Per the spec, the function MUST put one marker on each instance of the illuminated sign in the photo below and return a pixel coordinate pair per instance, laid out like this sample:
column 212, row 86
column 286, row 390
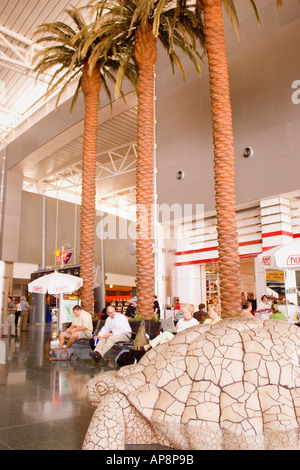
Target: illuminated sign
column 62, row 255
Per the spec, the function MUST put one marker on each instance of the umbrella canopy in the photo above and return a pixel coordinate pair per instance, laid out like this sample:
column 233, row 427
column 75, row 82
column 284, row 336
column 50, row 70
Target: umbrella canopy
column 55, row 283
column 282, row 257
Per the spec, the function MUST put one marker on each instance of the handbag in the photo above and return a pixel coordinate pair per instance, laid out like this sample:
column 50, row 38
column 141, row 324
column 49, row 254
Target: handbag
column 141, row 338
column 62, row 354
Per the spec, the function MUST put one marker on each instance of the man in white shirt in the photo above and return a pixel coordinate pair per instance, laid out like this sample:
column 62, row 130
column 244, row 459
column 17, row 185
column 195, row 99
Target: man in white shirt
column 115, row 329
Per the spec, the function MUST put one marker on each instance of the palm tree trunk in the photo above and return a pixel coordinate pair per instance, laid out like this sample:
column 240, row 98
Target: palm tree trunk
column 229, row 262
column 145, row 54
column 91, row 88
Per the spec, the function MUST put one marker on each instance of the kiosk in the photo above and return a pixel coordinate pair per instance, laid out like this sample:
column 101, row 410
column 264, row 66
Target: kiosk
column 286, row 258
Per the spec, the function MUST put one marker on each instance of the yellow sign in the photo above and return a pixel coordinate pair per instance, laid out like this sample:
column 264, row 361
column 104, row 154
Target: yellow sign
column 274, row 275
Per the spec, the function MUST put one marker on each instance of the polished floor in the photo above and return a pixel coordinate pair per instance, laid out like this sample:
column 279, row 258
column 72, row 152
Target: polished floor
column 43, row 404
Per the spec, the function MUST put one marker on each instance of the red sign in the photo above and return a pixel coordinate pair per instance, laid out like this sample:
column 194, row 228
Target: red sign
column 293, row 260
column 62, row 255
column 266, row 260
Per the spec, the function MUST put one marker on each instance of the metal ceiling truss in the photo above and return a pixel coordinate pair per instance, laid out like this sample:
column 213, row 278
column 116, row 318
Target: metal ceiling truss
column 16, row 54
column 119, row 164
column 70, row 177
column 19, row 51
column 122, row 198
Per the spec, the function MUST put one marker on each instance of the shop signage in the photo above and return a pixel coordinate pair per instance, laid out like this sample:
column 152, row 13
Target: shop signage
column 293, row 260
column 274, row 275
column 63, row 256
column 266, row 260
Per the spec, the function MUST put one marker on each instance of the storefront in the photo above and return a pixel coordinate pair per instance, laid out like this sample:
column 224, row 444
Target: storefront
column 282, row 274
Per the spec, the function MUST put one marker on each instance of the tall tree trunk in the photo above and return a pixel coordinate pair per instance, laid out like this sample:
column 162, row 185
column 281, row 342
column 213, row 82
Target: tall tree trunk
column 145, row 55
column 229, row 262
column 91, row 88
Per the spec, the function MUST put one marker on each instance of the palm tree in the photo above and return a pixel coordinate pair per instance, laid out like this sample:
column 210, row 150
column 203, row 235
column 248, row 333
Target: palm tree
column 229, row 261
column 132, row 23
column 67, row 52
column 210, row 15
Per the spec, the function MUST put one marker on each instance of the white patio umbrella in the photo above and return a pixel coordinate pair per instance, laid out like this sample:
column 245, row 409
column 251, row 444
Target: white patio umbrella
column 56, row 283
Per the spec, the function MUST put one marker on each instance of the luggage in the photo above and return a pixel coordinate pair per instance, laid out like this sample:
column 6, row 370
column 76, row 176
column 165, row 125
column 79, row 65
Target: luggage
column 127, row 357
column 62, row 354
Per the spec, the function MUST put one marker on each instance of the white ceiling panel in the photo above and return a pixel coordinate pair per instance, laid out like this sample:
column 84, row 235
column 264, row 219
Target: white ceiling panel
column 21, row 95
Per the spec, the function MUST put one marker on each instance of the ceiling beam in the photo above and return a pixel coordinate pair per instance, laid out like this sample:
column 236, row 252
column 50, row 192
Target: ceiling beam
column 22, row 53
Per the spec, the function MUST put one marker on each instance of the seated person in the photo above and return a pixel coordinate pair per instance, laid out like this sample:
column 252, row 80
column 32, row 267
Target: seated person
column 214, row 313
column 178, row 315
column 116, row 328
column 263, row 310
column 201, row 314
column 186, row 322
column 247, row 309
column 81, row 328
column 276, row 314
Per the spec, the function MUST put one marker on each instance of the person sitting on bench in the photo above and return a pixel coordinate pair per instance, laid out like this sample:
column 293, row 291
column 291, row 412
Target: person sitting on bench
column 186, row 322
column 81, row 328
column 116, row 328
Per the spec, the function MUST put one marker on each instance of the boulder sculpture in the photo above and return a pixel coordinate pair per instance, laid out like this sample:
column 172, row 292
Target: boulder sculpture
column 232, row 385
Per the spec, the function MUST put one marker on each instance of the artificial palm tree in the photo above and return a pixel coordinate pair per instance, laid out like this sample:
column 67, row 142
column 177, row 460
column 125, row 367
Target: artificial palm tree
column 210, row 15
column 229, row 261
column 132, row 23
column 67, row 52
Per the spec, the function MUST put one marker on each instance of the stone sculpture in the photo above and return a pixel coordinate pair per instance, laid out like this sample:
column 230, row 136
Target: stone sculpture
column 232, row 385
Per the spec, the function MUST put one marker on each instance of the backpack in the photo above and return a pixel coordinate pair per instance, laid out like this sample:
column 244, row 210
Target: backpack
column 62, row 354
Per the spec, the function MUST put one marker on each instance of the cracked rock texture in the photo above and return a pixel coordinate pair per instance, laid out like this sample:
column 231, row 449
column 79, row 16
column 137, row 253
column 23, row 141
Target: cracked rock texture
column 232, row 385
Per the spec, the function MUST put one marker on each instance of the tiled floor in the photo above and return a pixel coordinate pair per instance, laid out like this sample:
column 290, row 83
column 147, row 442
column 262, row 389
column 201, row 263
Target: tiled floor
column 43, row 404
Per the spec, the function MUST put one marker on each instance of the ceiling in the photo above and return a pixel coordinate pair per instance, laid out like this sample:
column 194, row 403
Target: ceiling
column 22, row 96
column 21, row 93
column 56, row 169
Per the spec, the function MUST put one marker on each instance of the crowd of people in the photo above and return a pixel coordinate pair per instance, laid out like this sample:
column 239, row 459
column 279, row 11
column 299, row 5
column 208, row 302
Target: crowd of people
column 117, row 327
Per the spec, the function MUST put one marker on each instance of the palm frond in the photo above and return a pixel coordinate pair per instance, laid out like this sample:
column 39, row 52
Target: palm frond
column 77, row 17
column 76, row 94
column 175, row 27
column 256, row 10
column 67, row 48
column 231, row 12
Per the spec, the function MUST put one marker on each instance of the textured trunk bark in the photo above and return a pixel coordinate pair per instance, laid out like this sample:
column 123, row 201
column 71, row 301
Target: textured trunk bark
column 145, row 54
column 229, row 261
column 91, row 87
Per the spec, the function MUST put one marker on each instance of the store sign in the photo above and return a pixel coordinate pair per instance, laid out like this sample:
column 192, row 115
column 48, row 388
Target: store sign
column 293, row 260
column 62, row 255
column 266, row 260
column 274, row 276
